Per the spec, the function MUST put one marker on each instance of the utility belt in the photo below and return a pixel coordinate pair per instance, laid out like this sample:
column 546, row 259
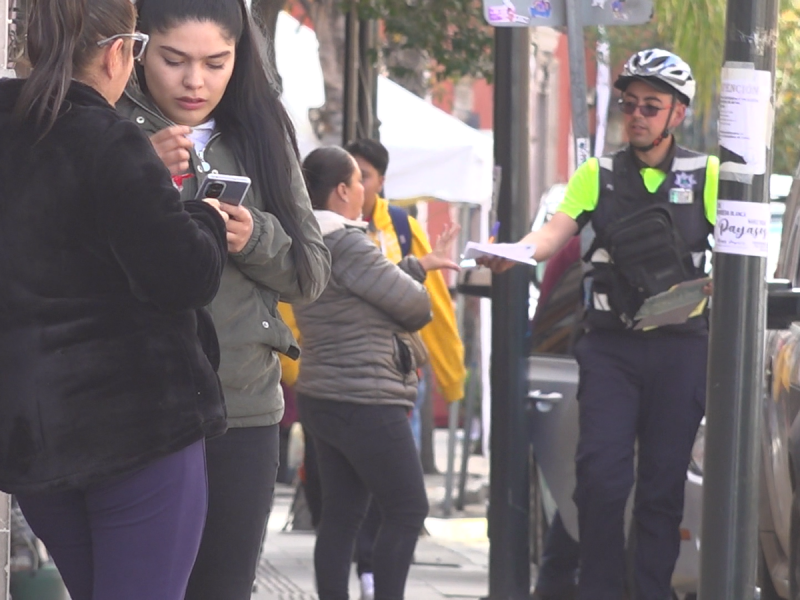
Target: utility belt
column 636, row 257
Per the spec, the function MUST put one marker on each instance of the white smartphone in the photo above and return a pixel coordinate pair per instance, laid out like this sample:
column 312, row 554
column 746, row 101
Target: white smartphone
column 230, row 189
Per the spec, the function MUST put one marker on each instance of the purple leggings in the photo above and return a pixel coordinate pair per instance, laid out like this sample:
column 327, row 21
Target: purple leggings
column 130, row 538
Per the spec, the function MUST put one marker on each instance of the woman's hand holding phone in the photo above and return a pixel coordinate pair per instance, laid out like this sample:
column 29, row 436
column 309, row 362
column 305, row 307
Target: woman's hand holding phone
column 239, row 224
column 172, row 147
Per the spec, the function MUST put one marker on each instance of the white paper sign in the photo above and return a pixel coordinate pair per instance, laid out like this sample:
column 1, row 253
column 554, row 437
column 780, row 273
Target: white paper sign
column 745, row 105
column 517, row 252
column 742, row 228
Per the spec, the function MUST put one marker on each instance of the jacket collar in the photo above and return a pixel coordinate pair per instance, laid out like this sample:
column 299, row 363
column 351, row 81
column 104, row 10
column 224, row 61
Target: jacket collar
column 330, row 221
column 380, row 218
column 135, row 94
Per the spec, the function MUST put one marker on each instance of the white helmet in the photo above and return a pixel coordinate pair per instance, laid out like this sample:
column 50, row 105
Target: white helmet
column 662, row 69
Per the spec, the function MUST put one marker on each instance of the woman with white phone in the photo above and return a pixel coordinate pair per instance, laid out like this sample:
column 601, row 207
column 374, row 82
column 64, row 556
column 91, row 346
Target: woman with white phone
column 203, row 96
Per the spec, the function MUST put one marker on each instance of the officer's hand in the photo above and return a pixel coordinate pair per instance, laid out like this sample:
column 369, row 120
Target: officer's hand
column 495, row 263
column 172, row 147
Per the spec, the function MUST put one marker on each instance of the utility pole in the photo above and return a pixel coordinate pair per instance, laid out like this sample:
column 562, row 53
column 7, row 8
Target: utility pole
column 509, row 552
column 736, row 358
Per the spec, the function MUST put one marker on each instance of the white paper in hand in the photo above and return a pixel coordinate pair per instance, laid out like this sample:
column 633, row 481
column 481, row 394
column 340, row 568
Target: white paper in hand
column 517, row 252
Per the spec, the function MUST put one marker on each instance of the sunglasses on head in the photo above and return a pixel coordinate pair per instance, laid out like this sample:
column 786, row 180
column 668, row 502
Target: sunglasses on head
column 139, row 42
column 629, row 107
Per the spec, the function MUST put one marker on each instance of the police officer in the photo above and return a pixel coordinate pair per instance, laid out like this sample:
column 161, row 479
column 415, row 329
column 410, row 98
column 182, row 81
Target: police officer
column 637, row 386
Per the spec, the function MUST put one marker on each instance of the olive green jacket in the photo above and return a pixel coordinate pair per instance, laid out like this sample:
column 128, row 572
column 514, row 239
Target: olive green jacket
column 245, row 313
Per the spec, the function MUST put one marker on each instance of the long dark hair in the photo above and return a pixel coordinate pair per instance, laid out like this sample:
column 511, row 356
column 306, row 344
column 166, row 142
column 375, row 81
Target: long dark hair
column 324, row 169
column 250, row 114
column 62, row 40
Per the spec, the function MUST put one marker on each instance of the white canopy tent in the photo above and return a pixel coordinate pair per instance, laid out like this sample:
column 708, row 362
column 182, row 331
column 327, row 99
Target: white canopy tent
column 433, row 154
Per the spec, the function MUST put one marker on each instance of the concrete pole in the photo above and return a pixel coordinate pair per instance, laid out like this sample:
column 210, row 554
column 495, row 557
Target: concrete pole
column 729, row 540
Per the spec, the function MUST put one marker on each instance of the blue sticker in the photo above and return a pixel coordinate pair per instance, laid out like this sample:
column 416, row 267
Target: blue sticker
column 542, row 9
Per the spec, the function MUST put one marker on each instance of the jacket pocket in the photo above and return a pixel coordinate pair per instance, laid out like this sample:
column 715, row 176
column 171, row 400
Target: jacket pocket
column 403, row 359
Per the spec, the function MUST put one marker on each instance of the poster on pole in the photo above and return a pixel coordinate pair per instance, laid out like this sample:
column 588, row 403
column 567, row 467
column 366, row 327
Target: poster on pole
column 553, row 13
column 583, row 150
column 745, row 117
column 742, row 228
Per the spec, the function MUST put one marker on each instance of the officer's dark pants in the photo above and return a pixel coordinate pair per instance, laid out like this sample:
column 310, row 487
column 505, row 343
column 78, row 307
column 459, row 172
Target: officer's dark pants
column 646, row 388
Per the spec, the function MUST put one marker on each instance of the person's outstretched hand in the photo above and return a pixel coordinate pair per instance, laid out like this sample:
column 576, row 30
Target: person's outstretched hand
column 439, row 258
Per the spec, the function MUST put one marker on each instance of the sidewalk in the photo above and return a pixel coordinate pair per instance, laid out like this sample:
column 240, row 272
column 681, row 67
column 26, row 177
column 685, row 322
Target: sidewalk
column 451, row 562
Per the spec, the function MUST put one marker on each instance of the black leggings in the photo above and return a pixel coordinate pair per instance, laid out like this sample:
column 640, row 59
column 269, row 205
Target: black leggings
column 362, row 450
column 242, row 466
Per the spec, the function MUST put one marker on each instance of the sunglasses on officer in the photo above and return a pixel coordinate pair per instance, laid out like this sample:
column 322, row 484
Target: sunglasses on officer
column 139, row 42
column 629, row 107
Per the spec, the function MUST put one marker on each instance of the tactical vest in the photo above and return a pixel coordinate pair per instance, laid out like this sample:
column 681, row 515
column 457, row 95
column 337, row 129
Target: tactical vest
column 622, row 192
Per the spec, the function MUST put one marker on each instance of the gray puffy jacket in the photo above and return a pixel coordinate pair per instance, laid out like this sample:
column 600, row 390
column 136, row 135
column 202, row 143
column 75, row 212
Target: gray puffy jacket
column 353, row 335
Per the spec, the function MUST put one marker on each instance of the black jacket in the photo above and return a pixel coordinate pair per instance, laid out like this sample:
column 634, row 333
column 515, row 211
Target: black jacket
column 103, row 270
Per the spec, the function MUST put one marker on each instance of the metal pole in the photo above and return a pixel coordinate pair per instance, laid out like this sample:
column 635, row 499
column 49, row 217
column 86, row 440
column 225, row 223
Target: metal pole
column 452, row 426
column 509, row 552
column 469, row 415
column 465, row 218
column 736, row 358
column 542, row 130
column 577, row 83
column 351, row 87
column 367, row 80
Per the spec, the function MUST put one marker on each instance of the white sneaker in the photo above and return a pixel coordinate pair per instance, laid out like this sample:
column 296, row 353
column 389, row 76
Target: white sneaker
column 367, row 586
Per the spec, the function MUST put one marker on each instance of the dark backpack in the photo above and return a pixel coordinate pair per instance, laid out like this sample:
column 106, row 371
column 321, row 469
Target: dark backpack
column 648, row 256
column 648, row 250
column 402, row 228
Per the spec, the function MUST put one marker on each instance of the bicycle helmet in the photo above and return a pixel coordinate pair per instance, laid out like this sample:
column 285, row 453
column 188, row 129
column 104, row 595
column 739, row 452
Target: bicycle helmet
column 663, row 70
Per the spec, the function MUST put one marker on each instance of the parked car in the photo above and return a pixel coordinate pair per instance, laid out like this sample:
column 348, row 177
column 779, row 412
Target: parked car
column 553, row 428
column 779, row 515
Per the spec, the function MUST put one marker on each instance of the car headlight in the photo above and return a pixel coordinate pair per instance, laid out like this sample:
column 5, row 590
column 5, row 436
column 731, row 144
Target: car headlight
column 699, row 450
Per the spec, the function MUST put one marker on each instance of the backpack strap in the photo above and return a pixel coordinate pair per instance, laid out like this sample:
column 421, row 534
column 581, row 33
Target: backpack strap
column 402, row 228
